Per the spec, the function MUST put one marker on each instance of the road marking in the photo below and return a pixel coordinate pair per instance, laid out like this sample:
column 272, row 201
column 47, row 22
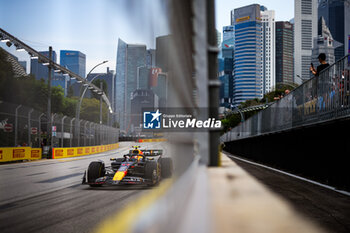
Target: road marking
column 123, row 220
column 291, row 175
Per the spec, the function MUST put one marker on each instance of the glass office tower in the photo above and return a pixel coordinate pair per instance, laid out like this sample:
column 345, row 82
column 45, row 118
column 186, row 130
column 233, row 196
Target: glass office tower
column 129, row 58
column 75, row 61
column 248, row 57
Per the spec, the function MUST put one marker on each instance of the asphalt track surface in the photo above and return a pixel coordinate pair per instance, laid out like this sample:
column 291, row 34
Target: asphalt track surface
column 47, row 195
column 327, row 208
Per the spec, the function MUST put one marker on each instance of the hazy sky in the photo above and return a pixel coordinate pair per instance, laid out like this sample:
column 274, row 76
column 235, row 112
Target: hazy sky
column 284, row 9
column 94, row 26
column 90, row 26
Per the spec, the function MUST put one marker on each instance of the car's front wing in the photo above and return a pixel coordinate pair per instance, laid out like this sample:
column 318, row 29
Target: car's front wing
column 108, row 180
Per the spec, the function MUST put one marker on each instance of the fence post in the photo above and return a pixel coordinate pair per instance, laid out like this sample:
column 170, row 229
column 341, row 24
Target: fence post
column 52, row 122
column 90, row 134
column 62, row 130
column 29, row 126
column 70, row 132
column 79, row 124
column 39, row 128
column 85, row 133
column 16, row 123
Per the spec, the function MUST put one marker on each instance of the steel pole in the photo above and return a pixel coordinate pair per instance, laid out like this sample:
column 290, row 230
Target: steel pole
column 49, row 121
column 101, row 87
column 77, row 111
column 214, row 83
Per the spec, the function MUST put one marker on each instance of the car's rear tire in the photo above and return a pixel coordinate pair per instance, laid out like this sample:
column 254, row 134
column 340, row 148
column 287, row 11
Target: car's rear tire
column 95, row 170
column 166, row 166
column 151, row 172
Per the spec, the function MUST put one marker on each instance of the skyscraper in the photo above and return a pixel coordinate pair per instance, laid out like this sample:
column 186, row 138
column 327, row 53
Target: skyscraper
column 141, row 98
column 305, row 29
column 226, row 67
column 129, row 58
column 268, row 50
column 39, row 70
column 284, row 52
column 218, row 38
column 323, row 43
column 336, row 14
column 75, row 61
column 163, row 52
column 161, row 89
column 143, row 77
column 228, row 34
column 248, row 58
column 151, row 57
column 60, row 80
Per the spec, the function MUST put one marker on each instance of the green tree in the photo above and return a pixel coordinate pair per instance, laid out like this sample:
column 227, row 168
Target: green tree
column 90, row 110
column 34, row 93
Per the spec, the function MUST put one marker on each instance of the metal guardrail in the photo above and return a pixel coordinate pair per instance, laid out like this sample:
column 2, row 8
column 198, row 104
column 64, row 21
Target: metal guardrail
column 21, row 125
column 320, row 99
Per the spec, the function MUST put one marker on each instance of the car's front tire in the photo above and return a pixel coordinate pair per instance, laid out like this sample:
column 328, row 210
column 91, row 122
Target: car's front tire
column 95, row 170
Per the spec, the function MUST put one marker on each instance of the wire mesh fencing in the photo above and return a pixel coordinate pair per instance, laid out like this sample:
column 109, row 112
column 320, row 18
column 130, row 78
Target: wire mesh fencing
column 24, row 126
column 320, row 99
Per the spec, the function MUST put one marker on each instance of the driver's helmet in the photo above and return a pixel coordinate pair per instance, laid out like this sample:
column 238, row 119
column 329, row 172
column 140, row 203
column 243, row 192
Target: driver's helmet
column 136, row 154
column 137, row 151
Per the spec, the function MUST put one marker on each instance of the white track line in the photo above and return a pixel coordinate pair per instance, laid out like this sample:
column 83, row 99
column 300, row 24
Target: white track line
column 291, row 175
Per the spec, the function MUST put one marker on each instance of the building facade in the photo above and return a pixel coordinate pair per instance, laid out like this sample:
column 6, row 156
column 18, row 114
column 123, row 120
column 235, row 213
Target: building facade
column 151, row 57
column 75, row 61
column 39, row 70
column 60, row 80
column 247, row 82
column 323, row 43
column 228, row 33
column 305, row 29
column 268, row 50
column 163, row 52
column 284, row 52
column 141, row 98
column 226, row 66
column 160, row 88
column 336, row 14
column 129, row 58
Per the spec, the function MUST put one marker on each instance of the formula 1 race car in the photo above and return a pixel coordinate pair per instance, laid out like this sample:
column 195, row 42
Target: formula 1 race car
column 136, row 167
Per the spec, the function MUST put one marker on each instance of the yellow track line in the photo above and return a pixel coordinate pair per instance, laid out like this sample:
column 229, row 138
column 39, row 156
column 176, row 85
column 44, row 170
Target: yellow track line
column 123, row 220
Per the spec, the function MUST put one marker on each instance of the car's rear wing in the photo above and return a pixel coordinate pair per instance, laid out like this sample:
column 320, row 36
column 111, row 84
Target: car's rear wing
column 152, row 152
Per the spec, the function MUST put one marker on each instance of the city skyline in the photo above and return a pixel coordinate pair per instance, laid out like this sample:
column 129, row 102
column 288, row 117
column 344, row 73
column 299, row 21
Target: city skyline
column 92, row 27
column 284, row 10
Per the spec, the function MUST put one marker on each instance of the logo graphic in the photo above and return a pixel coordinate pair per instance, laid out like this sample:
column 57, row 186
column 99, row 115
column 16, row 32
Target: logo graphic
column 151, row 120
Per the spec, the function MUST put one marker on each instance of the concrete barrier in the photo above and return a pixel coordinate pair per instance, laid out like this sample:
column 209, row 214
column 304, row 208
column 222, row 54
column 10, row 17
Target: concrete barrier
column 8, row 154
column 67, row 152
column 240, row 203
